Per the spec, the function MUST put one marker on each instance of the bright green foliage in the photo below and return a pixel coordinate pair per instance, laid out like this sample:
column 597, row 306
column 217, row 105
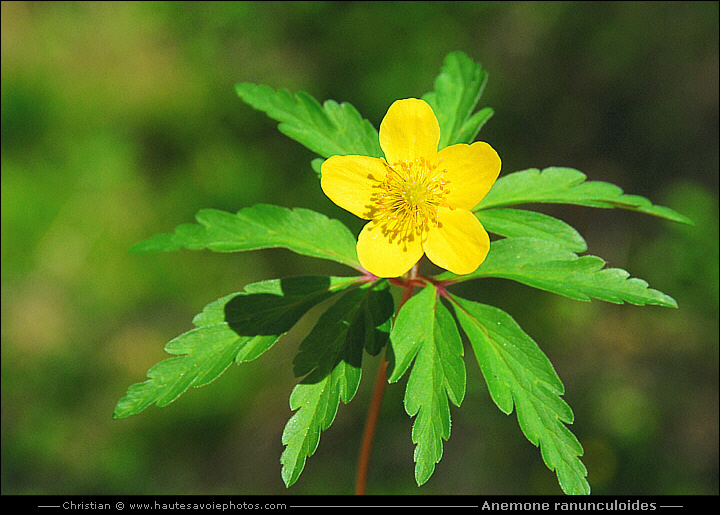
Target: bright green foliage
column 537, row 250
column 457, row 91
column 331, row 355
column 518, row 374
column 552, row 267
column 426, row 332
column 316, row 405
column 556, row 185
column 519, row 222
column 239, row 327
column 259, row 227
column 330, row 129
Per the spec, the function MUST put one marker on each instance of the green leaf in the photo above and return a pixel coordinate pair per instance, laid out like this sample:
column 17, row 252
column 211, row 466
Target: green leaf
column 379, row 311
column 342, row 324
column 568, row 186
column 425, row 332
column 328, row 130
column 239, row 327
column 554, row 268
column 316, row 165
column 519, row 222
column 331, row 355
column 260, row 227
column 458, row 88
column 519, row 374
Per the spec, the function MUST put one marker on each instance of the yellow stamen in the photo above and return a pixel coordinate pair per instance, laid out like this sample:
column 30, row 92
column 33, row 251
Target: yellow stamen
column 409, row 198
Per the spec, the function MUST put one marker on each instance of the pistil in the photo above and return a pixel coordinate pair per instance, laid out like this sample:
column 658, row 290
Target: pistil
column 411, row 194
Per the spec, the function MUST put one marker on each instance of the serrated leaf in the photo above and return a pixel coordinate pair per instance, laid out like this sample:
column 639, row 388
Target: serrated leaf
column 337, row 328
column 551, row 267
column 331, row 357
column 260, row 227
column 239, row 327
column 378, row 316
column 458, row 88
column 522, row 223
column 557, row 185
column 330, row 129
column 519, row 374
column 316, row 405
column 425, row 332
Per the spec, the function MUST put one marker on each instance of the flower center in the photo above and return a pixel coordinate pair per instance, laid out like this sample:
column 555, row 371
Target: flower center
column 410, row 196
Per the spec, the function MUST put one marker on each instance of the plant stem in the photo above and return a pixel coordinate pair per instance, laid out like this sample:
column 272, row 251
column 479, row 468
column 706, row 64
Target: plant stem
column 374, row 410
column 369, row 433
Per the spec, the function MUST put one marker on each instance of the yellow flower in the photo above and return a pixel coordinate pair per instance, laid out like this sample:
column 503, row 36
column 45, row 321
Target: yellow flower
column 418, row 200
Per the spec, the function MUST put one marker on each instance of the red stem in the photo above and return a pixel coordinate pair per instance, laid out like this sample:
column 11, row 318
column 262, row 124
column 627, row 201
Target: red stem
column 374, row 410
column 369, row 433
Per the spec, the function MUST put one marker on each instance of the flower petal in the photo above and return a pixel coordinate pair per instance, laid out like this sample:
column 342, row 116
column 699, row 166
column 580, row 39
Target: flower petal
column 409, row 130
column 459, row 243
column 384, row 253
column 352, row 181
column 471, row 171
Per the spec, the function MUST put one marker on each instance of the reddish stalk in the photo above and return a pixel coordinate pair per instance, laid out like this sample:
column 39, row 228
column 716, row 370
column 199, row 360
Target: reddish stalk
column 369, row 433
column 374, row 410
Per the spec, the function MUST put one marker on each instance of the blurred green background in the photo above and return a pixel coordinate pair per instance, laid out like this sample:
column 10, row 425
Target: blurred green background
column 119, row 121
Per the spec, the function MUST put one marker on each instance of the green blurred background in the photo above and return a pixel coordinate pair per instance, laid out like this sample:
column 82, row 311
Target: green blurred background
column 119, row 121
